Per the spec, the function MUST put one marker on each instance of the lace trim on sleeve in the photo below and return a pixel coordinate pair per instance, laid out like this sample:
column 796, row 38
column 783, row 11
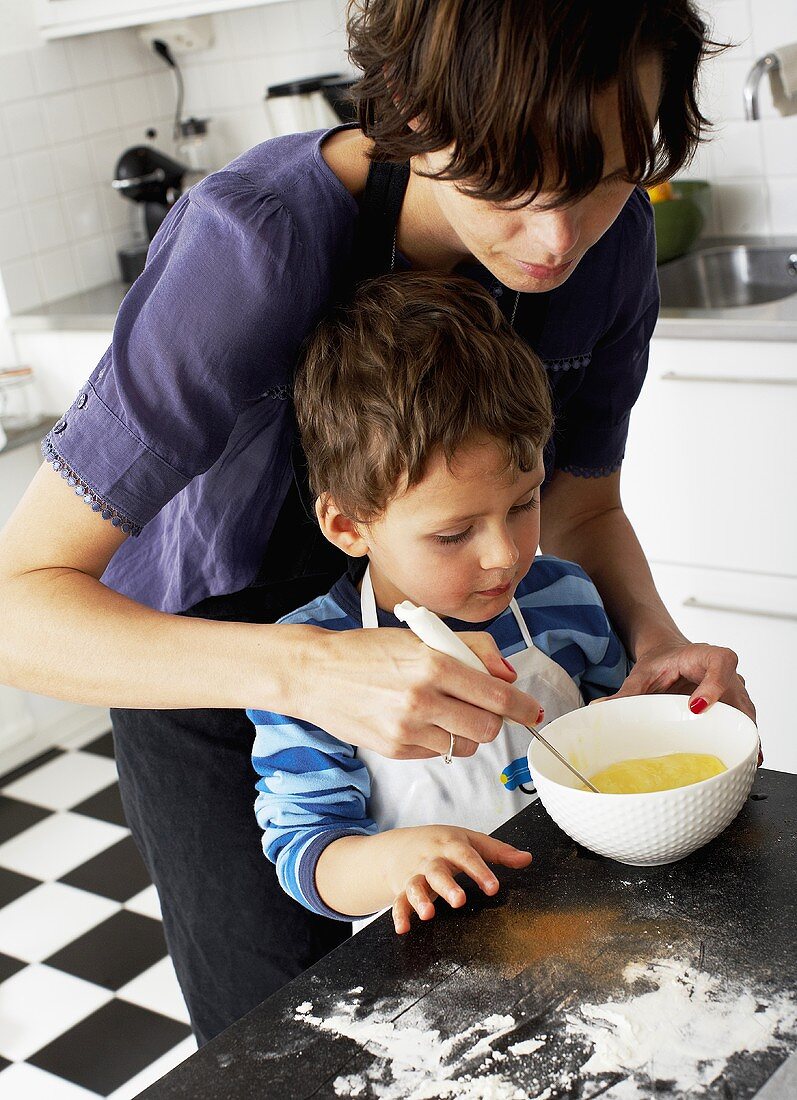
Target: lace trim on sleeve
column 571, row 362
column 96, row 503
column 592, row 471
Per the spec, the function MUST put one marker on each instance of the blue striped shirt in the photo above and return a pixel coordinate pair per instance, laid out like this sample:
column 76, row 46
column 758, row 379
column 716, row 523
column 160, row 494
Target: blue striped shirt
column 313, row 789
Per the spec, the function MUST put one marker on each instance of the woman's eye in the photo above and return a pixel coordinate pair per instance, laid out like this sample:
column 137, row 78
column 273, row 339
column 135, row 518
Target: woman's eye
column 449, row 540
column 527, row 507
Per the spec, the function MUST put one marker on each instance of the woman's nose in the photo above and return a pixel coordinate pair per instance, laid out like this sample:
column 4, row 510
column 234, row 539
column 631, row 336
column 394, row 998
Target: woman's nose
column 500, row 551
column 557, row 232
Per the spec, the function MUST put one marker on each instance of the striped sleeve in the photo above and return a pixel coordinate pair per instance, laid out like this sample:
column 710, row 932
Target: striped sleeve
column 568, row 622
column 312, row 789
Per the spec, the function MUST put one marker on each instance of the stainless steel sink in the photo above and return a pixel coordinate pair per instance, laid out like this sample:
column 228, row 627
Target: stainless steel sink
column 729, row 275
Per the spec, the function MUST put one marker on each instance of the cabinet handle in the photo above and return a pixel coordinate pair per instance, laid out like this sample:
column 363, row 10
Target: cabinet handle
column 703, row 605
column 674, row 376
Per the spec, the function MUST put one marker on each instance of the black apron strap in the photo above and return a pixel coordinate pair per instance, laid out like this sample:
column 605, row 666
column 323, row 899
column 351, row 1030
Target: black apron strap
column 380, row 207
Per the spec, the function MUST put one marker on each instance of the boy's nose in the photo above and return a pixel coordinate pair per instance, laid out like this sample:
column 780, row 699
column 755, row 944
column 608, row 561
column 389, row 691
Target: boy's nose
column 500, row 553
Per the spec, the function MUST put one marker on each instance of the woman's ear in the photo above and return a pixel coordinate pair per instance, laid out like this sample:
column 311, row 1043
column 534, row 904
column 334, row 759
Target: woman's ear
column 338, row 528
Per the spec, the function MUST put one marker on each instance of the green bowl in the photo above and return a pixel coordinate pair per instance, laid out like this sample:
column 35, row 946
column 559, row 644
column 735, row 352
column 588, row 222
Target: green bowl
column 679, row 220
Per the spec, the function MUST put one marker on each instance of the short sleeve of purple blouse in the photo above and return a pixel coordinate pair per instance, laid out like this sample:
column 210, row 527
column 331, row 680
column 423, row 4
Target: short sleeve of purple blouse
column 234, row 279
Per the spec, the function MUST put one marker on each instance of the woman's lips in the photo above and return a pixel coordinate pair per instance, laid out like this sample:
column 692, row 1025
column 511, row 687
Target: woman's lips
column 540, row 271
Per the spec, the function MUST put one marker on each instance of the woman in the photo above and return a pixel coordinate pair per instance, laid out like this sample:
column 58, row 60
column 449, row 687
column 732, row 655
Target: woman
column 503, row 141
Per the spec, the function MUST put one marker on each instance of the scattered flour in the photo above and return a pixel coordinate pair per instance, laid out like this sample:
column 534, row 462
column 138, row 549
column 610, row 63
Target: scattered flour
column 683, row 1030
column 528, row 1047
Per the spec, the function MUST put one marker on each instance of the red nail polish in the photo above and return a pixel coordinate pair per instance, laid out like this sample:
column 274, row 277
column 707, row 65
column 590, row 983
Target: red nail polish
column 510, row 667
column 697, row 706
column 760, row 758
column 540, row 716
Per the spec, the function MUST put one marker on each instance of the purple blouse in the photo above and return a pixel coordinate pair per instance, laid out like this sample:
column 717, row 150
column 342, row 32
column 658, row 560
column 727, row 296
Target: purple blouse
column 181, row 436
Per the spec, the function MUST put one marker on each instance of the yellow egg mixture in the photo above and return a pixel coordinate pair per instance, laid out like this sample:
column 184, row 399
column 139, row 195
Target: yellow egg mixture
column 657, row 773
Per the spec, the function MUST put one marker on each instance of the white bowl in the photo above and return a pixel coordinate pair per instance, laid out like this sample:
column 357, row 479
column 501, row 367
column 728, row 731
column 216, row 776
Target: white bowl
column 645, row 830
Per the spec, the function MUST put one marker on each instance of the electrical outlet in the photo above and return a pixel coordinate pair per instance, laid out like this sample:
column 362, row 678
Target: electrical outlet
column 180, row 35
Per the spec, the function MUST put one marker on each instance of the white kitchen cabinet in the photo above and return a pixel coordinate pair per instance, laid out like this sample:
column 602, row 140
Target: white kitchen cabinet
column 708, row 485
column 62, row 18
column 712, row 452
column 757, row 617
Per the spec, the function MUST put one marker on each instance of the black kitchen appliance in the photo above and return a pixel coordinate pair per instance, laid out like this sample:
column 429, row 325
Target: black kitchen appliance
column 155, row 181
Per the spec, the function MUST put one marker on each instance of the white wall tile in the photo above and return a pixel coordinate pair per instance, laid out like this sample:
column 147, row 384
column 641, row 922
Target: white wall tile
column 16, row 77
column 320, row 22
column 737, row 150
column 87, row 59
column 248, row 32
column 47, row 224
column 22, row 285
column 743, row 206
column 98, row 109
column 163, row 93
column 282, row 27
column 115, row 209
column 62, row 117
column 24, row 126
column 35, row 175
column 75, row 167
column 57, row 273
column 783, row 204
column 9, row 196
column 774, row 24
column 731, row 22
column 126, row 54
column 133, row 101
column 51, row 71
column 104, row 152
column 84, row 213
column 14, row 240
column 780, row 146
column 94, row 263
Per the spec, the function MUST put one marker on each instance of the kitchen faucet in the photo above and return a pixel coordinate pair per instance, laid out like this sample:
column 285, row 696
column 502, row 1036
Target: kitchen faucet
column 766, row 64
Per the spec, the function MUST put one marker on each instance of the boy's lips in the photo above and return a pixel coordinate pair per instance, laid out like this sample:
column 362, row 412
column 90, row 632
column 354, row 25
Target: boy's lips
column 500, row 591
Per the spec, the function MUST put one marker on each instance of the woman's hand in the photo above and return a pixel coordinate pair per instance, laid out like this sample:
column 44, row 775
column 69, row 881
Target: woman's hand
column 679, row 665
column 425, row 859
column 385, row 690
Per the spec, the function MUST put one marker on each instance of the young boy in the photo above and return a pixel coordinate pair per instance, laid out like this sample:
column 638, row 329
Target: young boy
column 424, row 418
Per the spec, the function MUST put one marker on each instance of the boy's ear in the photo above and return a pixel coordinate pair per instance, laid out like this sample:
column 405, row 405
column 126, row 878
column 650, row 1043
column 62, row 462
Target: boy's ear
column 338, row 528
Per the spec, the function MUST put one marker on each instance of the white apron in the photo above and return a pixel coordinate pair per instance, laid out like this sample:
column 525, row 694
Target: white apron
column 477, row 792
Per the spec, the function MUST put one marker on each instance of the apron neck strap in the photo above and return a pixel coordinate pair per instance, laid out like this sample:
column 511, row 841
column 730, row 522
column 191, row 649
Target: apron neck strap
column 524, row 630
column 380, row 207
column 368, row 601
column 370, row 620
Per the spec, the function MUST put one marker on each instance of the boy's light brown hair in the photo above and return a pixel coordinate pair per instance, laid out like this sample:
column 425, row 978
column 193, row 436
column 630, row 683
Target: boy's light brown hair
column 413, row 363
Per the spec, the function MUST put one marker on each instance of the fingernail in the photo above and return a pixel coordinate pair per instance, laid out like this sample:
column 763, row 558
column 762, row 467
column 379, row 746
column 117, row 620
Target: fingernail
column 540, row 716
column 760, row 758
column 697, row 706
column 511, row 669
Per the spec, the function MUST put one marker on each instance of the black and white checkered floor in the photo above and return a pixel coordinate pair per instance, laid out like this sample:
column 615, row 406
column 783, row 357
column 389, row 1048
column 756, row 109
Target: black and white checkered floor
column 89, row 1003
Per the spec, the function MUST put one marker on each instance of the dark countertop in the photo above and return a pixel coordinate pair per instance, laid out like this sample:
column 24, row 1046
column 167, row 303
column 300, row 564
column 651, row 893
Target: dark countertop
column 556, row 937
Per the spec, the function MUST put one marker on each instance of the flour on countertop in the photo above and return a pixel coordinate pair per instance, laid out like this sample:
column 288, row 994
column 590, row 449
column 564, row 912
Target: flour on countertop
column 671, row 1023
column 683, row 1030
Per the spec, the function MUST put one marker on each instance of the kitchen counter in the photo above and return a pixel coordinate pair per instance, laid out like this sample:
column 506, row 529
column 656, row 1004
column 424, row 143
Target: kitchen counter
column 95, row 310
column 553, row 987
column 90, row 311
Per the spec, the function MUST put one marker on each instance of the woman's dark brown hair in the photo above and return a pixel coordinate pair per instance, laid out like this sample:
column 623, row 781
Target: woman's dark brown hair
column 509, row 85
column 414, row 364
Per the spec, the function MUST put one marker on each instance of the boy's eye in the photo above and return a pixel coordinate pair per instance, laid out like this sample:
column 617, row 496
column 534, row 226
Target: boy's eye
column 448, row 540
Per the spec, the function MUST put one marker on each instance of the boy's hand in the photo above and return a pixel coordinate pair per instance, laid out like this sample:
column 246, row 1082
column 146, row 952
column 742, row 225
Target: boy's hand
column 425, row 860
